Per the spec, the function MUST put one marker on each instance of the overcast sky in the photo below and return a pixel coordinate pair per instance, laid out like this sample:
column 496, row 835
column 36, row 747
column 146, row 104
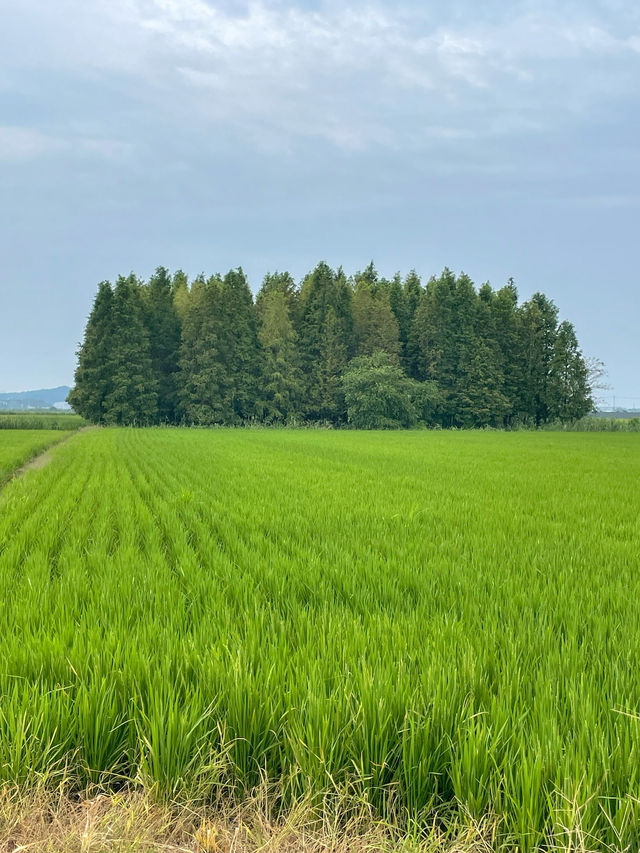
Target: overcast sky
column 500, row 141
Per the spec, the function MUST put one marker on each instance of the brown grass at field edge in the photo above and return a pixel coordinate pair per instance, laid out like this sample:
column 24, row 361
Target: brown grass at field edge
column 136, row 822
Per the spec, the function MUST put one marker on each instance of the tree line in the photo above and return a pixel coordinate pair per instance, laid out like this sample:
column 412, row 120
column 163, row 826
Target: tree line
column 361, row 350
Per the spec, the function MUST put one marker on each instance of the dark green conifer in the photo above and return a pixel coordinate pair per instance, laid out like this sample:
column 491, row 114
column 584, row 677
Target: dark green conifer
column 505, row 322
column 281, row 392
column 538, row 325
column 133, row 394
column 92, row 376
column 163, row 325
column 375, row 327
column 569, row 392
column 325, row 332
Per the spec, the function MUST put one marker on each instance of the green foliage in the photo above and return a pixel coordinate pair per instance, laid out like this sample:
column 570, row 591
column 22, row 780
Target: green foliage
column 93, row 380
column 205, row 353
column 283, row 283
column 409, row 328
column 163, row 325
column 447, row 346
column 443, row 624
column 569, row 393
column 378, row 395
column 505, row 324
column 333, row 360
column 539, row 321
column 325, row 329
column 200, row 368
column 219, row 354
column 375, row 327
column 398, row 304
column 133, row 386
column 281, row 375
column 238, row 347
column 180, row 293
column 479, row 400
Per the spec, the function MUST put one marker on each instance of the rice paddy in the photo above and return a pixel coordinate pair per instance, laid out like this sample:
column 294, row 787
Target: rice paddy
column 18, row 446
column 41, row 420
column 443, row 626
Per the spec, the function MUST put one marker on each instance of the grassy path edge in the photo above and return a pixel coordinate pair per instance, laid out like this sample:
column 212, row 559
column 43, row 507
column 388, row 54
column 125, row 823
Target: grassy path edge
column 39, row 458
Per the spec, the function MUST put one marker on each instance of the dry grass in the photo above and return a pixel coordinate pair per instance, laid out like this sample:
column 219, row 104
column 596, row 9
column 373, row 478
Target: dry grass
column 124, row 823
column 135, row 822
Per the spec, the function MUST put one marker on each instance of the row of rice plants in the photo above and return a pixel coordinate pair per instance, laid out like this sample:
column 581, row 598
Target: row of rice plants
column 18, row 447
column 442, row 625
column 40, row 420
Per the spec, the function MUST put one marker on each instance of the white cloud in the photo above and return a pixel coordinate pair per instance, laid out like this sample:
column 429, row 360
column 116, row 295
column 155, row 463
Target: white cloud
column 22, row 143
column 356, row 74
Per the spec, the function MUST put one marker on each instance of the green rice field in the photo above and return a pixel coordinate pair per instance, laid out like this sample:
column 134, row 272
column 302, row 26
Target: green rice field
column 19, row 446
column 41, row 420
column 445, row 625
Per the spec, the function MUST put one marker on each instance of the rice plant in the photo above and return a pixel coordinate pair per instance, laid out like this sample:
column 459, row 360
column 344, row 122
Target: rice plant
column 40, row 420
column 443, row 627
column 18, row 447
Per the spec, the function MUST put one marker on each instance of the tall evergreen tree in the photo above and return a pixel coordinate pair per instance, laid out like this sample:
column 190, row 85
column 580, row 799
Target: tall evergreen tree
column 219, row 353
column 280, row 282
column 333, row 360
column 539, row 322
column 133, row 395
column 482, row 359
column 180, row 291
column 479, row 400
column 325, row 332
column 92, row 376
column 505, row 321
column 398, row 304
column 238, row 346
column 569, row 392
column 413, row 293
column 445, row 337
column 200, row 370
column 375, row 327
column 367, row 277
column 163, row 325
column 482, row 397
column 281, row 392
column 465, row 339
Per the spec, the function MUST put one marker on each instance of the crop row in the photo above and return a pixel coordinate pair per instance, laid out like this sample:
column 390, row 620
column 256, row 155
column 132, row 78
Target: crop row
column 40, row 420
column 19, row 446
column 440, row 624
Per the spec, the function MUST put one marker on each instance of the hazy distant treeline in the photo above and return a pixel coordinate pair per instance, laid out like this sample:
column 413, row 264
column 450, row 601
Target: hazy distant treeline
column 362, row 350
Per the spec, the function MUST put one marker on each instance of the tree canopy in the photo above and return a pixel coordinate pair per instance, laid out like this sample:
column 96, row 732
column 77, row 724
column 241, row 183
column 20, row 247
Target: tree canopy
column 362, row 351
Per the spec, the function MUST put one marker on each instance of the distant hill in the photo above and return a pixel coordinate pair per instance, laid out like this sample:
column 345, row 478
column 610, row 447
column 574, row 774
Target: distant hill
column 617, row 413
column 43, row 398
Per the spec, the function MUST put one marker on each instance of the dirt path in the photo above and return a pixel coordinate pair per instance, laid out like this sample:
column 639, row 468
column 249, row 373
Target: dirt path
column 43, row 459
